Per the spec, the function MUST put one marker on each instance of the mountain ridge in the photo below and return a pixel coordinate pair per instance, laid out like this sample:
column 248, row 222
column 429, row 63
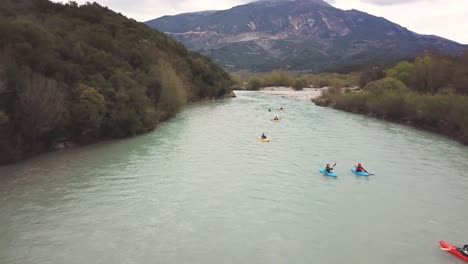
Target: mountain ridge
column 299, row 35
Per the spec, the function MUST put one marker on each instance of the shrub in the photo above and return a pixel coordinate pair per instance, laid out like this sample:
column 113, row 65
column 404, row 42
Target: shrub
column 89, row 112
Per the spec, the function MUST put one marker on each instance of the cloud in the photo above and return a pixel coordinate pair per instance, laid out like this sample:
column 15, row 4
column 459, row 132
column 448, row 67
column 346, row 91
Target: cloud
column 445, row 18
column 380, row 2
column 143, row 10
column 390, row 2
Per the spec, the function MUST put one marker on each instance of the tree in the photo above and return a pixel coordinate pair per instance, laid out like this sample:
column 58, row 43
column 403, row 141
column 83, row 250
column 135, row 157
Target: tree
column 254, row 83
column 460, row 75
column 299, row 84
column 386, row 84
column 370, row 75
column 3, row 118
column 172, row 95
column 89, row 111
column 422, row 79
column 41, row 107
column 403, row 71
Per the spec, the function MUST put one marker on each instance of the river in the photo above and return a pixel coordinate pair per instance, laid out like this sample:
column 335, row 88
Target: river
column 203, row 189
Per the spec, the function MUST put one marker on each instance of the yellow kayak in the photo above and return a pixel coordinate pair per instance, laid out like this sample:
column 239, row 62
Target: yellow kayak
column 264, row 139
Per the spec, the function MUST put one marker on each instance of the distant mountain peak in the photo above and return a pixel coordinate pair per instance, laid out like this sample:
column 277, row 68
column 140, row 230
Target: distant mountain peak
column 307, row 35
column 320, row 2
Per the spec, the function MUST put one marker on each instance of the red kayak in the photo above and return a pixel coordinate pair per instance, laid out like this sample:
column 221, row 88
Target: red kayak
column 453, row 250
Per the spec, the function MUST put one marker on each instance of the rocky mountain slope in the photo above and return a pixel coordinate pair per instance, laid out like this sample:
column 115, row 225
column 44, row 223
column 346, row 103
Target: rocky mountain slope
column 298, row 35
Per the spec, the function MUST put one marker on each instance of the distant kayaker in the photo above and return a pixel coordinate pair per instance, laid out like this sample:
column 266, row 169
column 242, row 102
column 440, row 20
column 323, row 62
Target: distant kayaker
column 359, row 168
column 281, row 108
column 269, row 109
column 328, row 169
column 276, row 118
column 264, row 136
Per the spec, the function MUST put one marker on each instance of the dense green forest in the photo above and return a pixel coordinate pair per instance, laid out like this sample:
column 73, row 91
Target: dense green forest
column 430, row 92
column 71, row 73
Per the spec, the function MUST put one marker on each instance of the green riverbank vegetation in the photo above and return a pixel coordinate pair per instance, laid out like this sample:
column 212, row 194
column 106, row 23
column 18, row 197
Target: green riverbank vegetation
column 430, row 92
column 71, row 73
column 294, row 80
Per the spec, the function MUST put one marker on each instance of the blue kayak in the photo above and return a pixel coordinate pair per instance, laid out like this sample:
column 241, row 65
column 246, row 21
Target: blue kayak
column 360, row 173
column 330, row 174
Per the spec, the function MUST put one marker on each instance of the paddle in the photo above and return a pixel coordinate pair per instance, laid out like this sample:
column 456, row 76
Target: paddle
column 445, row 249
column 325, row 174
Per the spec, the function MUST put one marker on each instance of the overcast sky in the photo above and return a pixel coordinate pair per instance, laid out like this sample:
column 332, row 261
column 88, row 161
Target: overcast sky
column 445, row 18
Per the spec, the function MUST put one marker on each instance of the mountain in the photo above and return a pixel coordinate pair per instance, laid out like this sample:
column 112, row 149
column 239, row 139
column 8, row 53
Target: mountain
column 298, row 35
column 80, row 74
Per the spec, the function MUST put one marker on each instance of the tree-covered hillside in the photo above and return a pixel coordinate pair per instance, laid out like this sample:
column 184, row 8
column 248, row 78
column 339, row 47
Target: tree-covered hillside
column 83, row 73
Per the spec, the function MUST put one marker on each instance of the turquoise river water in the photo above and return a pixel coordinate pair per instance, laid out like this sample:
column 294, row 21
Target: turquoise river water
column 203, row 189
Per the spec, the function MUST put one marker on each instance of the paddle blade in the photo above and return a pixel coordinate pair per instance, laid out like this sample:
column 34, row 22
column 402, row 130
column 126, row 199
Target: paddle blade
column 445, row 249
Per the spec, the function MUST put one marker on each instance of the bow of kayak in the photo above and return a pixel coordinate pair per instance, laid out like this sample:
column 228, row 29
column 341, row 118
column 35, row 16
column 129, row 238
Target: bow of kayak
column 360, row 173
column 452, row 250
column 329, row 174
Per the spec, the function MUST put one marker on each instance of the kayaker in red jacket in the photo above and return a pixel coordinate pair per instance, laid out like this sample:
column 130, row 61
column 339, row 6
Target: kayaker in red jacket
column 359, row 168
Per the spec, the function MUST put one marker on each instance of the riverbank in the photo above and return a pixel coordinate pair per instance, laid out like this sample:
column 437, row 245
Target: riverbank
column 70, row 144
column 391, row 100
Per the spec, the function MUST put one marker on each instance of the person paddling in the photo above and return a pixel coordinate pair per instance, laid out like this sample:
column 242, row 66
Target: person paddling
column 264, row 136
column 359, row 168
column 328, row 169
column 276, row 118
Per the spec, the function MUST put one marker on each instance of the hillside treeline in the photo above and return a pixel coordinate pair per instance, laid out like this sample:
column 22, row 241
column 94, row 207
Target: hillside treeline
column 84, row 73
column 430, row 92
column 296, row 81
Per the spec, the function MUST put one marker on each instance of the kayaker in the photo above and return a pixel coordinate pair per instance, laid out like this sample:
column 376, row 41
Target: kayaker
column 281, row 108
column 269, row 109
column 465, row 250
column 328, row 169
column 359, row 168
column 276, row 118
column 264, row 136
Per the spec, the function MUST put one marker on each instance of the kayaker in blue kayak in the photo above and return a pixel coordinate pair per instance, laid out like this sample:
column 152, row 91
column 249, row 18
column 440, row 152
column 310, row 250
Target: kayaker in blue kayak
column 359, row 168
column 328, row 169
column 264, row 136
